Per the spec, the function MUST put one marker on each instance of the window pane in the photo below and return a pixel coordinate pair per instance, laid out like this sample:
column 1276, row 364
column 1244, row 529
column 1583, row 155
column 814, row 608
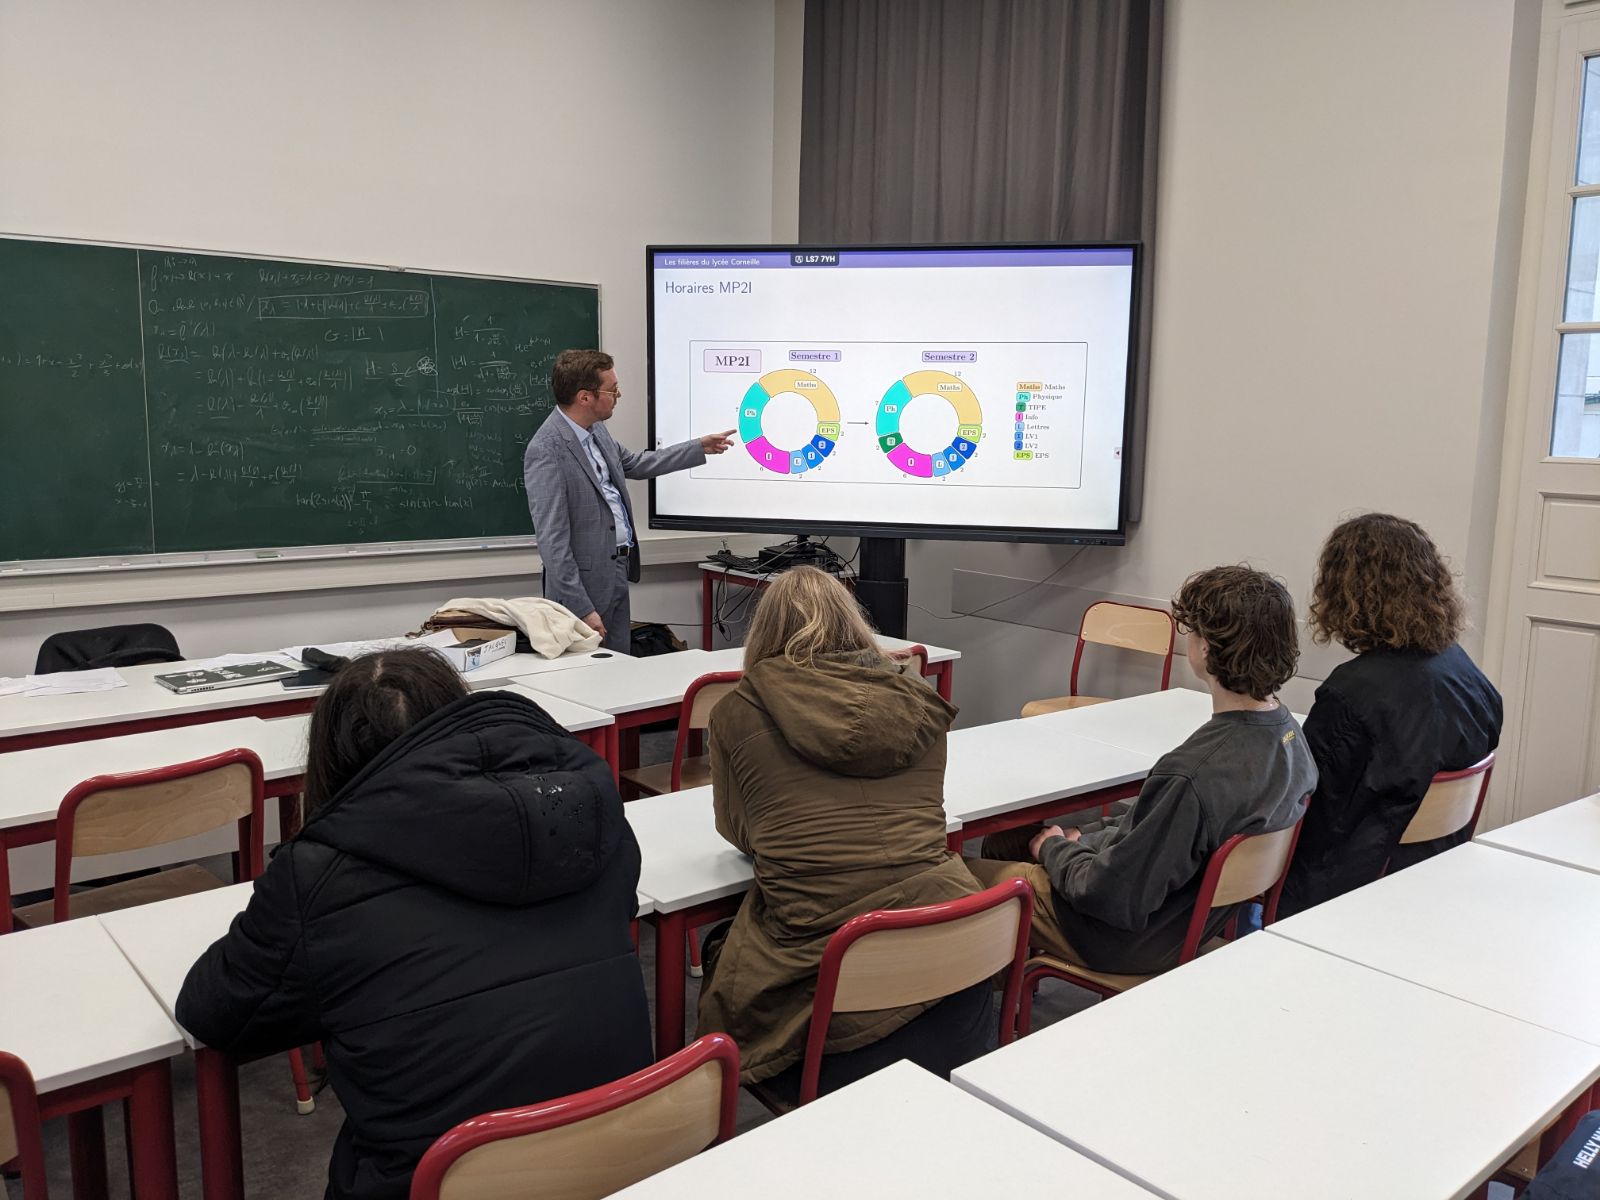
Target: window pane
column 1589, row 129
column 1576, row 432
column 1583, row 260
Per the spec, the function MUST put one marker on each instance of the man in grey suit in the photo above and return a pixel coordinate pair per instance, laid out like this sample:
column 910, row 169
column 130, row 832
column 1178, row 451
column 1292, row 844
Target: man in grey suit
column 573, row 470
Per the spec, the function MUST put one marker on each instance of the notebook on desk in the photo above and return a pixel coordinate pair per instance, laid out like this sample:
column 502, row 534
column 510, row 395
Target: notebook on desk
column 213, row 678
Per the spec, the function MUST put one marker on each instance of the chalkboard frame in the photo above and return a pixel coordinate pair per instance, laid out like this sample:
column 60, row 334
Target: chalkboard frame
column 101, row 564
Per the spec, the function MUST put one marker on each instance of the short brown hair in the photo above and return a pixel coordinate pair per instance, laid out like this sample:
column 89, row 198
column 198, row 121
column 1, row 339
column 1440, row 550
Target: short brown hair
column 1382, row 583
column 1247, row 620
column 577, row 371
column 806, row 612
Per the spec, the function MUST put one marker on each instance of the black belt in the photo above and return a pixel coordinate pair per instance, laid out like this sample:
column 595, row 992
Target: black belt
column 622, row 551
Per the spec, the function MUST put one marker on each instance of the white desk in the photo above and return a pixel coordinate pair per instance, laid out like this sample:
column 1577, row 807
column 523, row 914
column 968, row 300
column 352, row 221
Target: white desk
column 516, row 666
column 74, row 1011
column 34, row 782
column 573, row 717
column 1268, row 1069
column 901, row 1132
column 996, row 770
column 1569, row 835
column 1501, row 930
column 622, row 686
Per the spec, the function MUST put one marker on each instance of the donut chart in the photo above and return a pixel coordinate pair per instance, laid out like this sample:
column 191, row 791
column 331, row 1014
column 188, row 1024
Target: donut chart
column 911, row 460
column 814, row 392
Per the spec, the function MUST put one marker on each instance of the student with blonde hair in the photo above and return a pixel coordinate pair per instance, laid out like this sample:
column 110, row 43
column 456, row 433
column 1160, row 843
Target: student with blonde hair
column 828, row 770
column 1409, row 705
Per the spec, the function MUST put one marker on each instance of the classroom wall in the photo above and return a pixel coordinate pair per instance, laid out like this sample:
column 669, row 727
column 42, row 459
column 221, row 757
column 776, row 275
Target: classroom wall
column 535, row 138
column 1338, row 220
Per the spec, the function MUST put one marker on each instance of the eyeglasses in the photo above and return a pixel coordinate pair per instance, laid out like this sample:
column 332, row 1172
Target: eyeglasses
column 614, row 393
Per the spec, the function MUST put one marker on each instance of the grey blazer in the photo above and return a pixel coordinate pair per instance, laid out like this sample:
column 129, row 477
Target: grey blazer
column 577, row 536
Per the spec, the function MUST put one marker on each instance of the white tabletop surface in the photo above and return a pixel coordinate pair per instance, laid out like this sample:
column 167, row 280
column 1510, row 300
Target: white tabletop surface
column 936, row 654
column 1150, row 724
column 34, row 782
column 1502, row 930
column 623, row 684
column 565, row 713
column 162, row 940
column 515, row 666
column 1268, row 1070
column 1009, row 765
column 1569, row 835
column 902, row 1133
column 73, row 1009
column 685, row 861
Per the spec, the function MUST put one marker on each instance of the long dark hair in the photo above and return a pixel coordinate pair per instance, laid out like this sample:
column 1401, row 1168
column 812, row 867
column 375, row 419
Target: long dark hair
column 371, row 702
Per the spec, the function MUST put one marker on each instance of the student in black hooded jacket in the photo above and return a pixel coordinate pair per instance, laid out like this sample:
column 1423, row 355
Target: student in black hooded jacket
column 451, row 923
column 1409, row 705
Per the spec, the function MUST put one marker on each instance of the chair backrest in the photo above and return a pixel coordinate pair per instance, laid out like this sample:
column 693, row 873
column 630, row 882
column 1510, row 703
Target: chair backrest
column 1452, row 802
column 20, row 1127
column 701, row 696
column 592, row 1143
column 107, row 646
column 1245, row 866
column 110, row 814
column 1130, row 627
column 891, row 958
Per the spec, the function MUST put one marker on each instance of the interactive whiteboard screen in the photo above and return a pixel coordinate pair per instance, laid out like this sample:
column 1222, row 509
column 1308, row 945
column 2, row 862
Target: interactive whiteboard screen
column 942, row 392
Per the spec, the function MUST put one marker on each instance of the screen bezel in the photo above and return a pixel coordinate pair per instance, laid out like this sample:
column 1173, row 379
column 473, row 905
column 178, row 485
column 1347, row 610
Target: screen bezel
column 920, row 531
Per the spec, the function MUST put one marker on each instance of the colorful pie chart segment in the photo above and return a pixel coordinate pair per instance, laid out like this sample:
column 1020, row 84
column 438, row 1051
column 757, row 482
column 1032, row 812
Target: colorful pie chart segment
column 912, row 460
column 781, row 460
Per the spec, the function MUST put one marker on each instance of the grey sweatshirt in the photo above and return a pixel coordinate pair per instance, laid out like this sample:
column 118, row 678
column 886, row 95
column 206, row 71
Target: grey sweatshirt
column 1124, row 893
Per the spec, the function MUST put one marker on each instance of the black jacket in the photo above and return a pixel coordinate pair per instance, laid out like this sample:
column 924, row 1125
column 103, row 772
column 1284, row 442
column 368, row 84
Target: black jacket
column 453, row 926
column 1383, row 725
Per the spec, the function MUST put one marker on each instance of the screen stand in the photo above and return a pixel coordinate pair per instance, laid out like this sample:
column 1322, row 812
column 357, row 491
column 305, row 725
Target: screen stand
column 881, row 583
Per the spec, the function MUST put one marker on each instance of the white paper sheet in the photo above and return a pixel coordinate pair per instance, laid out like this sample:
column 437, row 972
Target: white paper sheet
column 67, row 683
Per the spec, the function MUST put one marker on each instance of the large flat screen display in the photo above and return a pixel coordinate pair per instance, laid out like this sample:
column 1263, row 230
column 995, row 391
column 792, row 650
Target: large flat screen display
column 938, row 392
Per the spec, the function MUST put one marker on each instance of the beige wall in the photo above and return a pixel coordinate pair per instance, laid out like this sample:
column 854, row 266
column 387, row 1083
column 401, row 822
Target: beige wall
column 542, row 139
column 1338, row 222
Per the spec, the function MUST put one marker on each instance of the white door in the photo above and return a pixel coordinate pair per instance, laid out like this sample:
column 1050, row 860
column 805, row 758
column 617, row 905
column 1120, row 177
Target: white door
column 1548, row 623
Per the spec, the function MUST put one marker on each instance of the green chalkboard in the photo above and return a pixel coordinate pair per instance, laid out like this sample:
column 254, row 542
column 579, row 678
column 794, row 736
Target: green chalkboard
column 161, row 401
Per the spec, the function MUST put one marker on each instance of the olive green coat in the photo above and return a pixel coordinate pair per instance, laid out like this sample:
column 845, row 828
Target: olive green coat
column 831, row 777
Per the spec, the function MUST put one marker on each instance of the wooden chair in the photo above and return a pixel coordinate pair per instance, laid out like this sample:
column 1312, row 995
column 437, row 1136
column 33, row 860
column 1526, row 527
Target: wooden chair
column 891, row 958
column 593, row 1143
column 683, row 770
column 21, row 1139
column 1453, row 802
column 114, row 814
column 1244, row 867
column 1107, row 623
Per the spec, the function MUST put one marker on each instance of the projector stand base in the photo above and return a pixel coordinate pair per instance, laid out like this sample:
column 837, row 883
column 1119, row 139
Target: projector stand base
column 881, row 583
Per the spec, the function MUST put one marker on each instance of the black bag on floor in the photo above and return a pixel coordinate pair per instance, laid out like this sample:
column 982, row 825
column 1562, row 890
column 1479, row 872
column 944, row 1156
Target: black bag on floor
column 1574, row 1172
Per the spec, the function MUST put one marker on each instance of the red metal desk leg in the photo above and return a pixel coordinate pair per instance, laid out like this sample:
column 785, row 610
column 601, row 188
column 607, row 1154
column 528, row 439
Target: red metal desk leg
column 216, row 1081
column 155, row 1156
column 86, row 1139
column 669, row 982
column 10, row 839
column 705, row 610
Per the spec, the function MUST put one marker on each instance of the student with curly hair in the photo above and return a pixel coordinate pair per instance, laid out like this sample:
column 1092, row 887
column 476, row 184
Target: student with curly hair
column 1119, row 898
column 1409, row 705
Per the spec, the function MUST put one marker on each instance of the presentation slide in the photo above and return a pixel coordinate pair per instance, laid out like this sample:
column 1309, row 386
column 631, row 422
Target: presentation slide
column 957, row 389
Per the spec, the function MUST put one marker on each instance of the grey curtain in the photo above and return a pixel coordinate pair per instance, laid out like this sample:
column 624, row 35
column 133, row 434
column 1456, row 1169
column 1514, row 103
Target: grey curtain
column 987, row 121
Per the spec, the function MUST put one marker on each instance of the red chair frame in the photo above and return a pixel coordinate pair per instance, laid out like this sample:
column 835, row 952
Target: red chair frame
column 17, row 1081
column 580, row 1106
column 1197, row 919
column 252, row 829
column 882, row 920
column 1166, row 665
column 680, row 746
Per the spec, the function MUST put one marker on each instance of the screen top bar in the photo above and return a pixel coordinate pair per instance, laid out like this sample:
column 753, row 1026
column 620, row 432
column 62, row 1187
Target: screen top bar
column 997, row 256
